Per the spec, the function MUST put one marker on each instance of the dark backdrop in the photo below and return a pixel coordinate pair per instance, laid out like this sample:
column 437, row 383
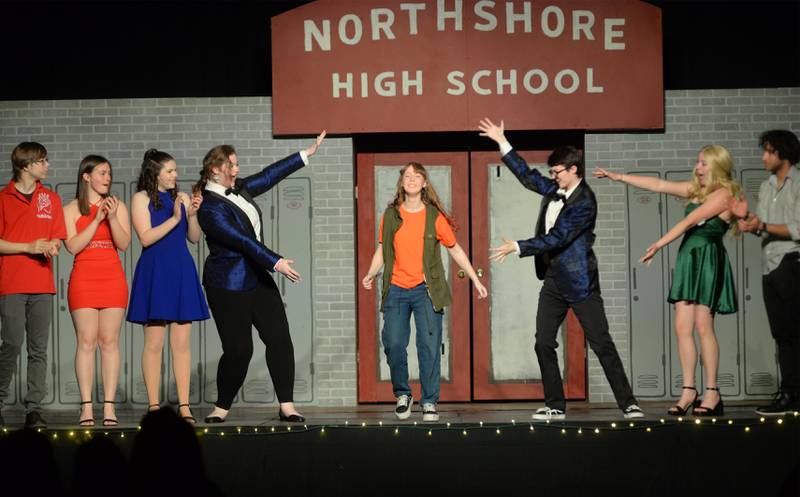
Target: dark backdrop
column 113, row 49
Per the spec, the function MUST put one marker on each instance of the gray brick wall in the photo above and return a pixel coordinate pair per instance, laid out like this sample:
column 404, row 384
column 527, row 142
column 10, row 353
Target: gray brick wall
column 122, row 129
column 694, row 118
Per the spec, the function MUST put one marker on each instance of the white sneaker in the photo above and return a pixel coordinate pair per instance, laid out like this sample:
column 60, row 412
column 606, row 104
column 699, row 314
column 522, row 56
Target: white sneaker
column 632, row 411
column 403, row 409
column 429, row 413
column 546, row 414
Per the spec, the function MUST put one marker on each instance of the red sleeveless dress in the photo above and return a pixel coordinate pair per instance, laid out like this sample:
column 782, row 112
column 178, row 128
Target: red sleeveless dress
column 97, row 280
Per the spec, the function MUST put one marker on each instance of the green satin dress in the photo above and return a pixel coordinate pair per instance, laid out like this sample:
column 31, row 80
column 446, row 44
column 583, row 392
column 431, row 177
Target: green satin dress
column 703, row 274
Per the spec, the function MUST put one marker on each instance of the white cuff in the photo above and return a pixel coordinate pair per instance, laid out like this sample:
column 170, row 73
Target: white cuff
column 794, row 231
column 304, row 156
column 517, row 250
column 505, row 148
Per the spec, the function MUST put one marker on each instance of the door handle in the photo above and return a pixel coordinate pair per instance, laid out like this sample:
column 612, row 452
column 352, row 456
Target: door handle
column 461, row 273
column 479, row 272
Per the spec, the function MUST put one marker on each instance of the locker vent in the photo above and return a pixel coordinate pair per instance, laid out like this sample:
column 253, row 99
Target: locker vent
column 647, row 381
column 762, row 379
column 726, row 380
column 300, row 386
column 257, row 388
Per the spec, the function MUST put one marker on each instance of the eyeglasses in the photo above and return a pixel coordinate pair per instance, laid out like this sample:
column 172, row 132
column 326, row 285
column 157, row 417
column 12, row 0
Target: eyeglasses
column 555, row 172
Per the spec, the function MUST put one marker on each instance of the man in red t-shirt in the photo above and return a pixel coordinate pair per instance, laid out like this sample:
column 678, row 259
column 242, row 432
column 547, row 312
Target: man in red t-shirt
column 31, row 230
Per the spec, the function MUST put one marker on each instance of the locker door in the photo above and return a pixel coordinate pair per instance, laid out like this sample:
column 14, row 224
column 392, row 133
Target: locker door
column 294, row 241
column 194, row 381
column 726, row 326
column 647, row 321
column 760, row 366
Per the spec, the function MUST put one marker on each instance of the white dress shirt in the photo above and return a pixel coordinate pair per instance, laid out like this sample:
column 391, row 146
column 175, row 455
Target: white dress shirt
column 247, row 207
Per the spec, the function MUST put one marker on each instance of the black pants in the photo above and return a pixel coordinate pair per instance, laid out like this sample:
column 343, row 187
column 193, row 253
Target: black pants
column 592, row 316
column 235, row 313
column 782, row 300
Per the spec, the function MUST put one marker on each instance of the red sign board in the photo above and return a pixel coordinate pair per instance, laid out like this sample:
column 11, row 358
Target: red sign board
column 352, row 66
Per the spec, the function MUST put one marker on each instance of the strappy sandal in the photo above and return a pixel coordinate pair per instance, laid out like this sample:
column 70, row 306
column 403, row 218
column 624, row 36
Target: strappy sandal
column 110, row 421
column 86, row 422
column 188, row 419
column 678, row 410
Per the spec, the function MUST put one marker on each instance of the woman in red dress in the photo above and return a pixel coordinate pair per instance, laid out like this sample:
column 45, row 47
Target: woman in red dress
column 97, row 227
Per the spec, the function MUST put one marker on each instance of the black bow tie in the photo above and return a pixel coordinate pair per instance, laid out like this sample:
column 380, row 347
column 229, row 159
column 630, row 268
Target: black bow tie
column 232, row 190
column 559, row 197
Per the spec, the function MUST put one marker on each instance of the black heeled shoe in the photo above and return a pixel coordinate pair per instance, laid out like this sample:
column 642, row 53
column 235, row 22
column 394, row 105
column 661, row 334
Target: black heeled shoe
column 717, row 410
column 292, row 418
column 110, row 421
column 188, row 419
column 86, row 422
column 678, row 410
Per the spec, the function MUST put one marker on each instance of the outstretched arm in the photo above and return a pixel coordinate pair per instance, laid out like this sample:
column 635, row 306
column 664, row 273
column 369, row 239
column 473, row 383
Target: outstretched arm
column 716, row 203
column 652, row 183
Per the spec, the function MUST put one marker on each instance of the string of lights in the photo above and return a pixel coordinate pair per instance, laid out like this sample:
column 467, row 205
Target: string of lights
column 564, row 427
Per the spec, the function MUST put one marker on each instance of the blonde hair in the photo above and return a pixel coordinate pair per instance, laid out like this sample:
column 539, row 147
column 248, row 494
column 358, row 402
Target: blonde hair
column 428, row 193
column 720, row 175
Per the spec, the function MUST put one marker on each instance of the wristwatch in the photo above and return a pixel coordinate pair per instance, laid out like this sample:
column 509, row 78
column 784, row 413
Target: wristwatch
column 762, row 227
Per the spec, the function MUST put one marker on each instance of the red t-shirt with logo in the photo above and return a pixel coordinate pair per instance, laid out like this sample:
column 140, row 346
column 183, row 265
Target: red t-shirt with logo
column 23, row 221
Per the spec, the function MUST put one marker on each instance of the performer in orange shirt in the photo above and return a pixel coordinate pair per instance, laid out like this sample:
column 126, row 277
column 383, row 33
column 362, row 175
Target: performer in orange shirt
column 412, row 229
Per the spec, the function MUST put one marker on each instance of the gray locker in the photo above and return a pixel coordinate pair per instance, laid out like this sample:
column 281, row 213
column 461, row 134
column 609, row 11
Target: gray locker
column 294, row 241
column 646, row 297
column 760, row 366
column 726, row 326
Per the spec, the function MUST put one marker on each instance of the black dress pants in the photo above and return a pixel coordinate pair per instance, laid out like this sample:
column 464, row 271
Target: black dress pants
column 592, row 316
column 782, row 301
column 235, row 313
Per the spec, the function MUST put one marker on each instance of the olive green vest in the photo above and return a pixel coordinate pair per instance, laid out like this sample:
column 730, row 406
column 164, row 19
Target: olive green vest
column 431, row 256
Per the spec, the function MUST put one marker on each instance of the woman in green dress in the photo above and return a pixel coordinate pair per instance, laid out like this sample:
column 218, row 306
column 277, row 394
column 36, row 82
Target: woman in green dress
column 702, row 284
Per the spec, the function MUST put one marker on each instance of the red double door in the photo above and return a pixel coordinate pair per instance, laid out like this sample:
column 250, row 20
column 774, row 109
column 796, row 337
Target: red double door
column 487, row 351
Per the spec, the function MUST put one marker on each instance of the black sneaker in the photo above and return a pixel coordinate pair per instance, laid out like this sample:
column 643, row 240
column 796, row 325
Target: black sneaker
column 783, row 403
column 632, row 411
column 403, row 409
column 35, row 420
column 429, row 413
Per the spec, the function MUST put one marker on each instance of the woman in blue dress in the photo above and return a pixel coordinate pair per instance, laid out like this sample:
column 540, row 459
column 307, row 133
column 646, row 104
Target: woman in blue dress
column 166, row 290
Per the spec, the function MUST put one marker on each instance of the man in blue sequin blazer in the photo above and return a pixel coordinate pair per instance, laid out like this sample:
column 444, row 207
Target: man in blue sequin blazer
column 564, row 259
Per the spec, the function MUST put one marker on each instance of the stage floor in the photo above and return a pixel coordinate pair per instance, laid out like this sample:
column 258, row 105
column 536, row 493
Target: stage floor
column 578, row 414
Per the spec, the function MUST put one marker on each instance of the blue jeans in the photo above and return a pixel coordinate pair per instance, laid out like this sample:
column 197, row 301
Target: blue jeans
column 397, row 309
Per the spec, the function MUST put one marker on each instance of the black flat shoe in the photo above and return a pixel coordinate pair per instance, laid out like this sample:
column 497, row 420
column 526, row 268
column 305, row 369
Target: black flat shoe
column 214, row 419
column 292, row 418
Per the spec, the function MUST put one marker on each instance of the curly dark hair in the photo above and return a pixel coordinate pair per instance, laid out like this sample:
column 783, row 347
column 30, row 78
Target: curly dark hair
column 152, row 163
column 784, row 143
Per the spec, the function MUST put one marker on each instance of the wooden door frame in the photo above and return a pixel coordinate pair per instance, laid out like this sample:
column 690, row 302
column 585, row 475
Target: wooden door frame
column 483, row 388
column 370, row 387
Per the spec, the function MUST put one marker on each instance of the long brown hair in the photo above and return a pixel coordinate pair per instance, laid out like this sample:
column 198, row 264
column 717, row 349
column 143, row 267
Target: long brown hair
column 82, row 191
column 152, row 163
column 216, row 157
column 428, row 193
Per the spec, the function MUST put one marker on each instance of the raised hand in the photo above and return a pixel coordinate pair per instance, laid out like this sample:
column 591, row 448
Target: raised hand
column 102, row 212
column 284, row 267
column 176, row 209
column 499, row 253
column 111, row 204
column 599, row 172
column 313, row 148
column 491, row 130
column 194, row 206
